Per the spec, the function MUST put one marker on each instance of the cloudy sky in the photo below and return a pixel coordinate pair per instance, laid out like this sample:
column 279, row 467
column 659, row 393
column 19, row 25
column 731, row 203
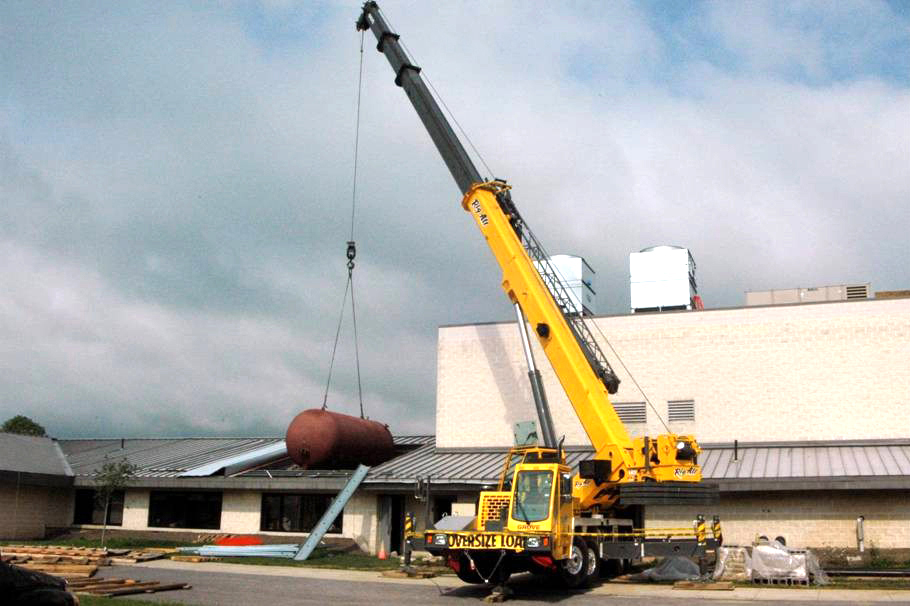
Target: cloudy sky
column 175, row 185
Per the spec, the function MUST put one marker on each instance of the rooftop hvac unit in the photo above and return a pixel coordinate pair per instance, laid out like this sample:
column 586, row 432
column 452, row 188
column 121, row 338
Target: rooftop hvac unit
column 578, row 279
column 662, row 278
column 814, row 294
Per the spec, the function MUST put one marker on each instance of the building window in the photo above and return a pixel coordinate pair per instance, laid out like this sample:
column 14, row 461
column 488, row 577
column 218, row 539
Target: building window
column 185, row 509
column 296, row 512
column 89, row 510
column 681, row 410
column 631, row 412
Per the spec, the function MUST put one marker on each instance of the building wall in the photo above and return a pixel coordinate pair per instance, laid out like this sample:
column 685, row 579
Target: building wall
column 816, row 520
column 804, row 372
column 26, row 512
column 241, row 511
column 361, row 521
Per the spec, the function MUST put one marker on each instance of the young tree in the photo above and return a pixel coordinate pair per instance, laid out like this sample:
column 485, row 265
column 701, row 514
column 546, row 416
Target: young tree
column 23, row 426
column 113, row 476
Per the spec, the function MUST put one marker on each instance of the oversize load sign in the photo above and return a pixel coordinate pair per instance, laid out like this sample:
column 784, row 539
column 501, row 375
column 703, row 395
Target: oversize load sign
column 485, row 541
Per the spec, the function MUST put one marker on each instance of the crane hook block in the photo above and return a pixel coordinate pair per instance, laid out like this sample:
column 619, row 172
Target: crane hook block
column 352, row 252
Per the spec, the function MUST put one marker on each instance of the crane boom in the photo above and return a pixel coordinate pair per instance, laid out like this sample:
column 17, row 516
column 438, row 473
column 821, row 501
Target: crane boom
column 533, row 284
column 467, row 177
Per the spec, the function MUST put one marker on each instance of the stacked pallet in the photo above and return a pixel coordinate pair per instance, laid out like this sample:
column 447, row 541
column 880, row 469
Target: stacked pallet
column 72, row 555
column 30, row 555
column 65, row 562
column 118, row 587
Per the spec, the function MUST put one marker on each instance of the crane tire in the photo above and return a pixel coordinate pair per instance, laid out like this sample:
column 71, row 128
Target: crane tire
column 573, row 570
column 592, row 570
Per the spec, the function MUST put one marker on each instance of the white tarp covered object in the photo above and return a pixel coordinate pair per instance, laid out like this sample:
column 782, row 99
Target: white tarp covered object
column 771, row 560
column 733, row 564
column 776, row 561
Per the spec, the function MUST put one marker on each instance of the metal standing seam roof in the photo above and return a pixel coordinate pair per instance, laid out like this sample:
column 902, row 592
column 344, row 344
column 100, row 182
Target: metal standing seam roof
column 749, row 464
column 157, row 458
column 180, row 457
column 809, row 460
column 772, row 462
column 414, row 440
column 450, row 466
column 33, row 455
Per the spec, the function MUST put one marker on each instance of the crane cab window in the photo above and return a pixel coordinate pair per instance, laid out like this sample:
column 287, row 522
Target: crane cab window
column 532, row 496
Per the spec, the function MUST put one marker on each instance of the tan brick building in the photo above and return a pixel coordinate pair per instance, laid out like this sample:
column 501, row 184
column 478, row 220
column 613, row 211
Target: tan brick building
column 826, row 371
column 36, row 487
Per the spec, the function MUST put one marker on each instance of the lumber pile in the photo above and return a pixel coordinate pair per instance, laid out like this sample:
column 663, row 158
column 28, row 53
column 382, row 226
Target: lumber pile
column 54, row 555
column 118, row 587
column 42, row 557
column 43, row 567
column 64, row 571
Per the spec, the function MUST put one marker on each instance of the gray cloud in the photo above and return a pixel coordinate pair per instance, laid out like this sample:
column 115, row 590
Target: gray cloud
column 175, row 187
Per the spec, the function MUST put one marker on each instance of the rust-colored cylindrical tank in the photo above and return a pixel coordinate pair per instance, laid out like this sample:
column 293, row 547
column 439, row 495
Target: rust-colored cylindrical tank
column 317, row 437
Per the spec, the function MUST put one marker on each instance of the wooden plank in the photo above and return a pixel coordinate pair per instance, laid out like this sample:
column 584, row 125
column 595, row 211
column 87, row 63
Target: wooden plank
column 117, row 584
column 194, row 558
column 137, row 589
column 715, row 586
column 145, row 556
column 96, row 582
column 104, row 590
column 70, row 568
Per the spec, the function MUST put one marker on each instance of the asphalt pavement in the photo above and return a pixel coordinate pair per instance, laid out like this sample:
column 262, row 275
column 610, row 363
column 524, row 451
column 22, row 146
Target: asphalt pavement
column 238, row 585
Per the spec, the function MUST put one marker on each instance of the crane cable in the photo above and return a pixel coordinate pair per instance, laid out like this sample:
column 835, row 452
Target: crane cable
column 351, row 254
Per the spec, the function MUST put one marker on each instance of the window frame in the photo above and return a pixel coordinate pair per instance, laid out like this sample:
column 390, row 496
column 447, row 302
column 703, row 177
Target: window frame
column 170, row 499
column 308, row 512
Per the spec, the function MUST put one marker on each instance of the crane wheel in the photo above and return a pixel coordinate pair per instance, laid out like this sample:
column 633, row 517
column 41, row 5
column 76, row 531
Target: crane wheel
column 592, row 570
column 573, row 570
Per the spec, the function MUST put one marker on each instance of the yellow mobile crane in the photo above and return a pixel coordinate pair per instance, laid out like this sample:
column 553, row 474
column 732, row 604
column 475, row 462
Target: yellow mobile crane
column 542, row 516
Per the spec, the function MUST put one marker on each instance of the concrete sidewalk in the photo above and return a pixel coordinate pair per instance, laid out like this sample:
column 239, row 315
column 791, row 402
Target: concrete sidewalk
column 626, row 590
